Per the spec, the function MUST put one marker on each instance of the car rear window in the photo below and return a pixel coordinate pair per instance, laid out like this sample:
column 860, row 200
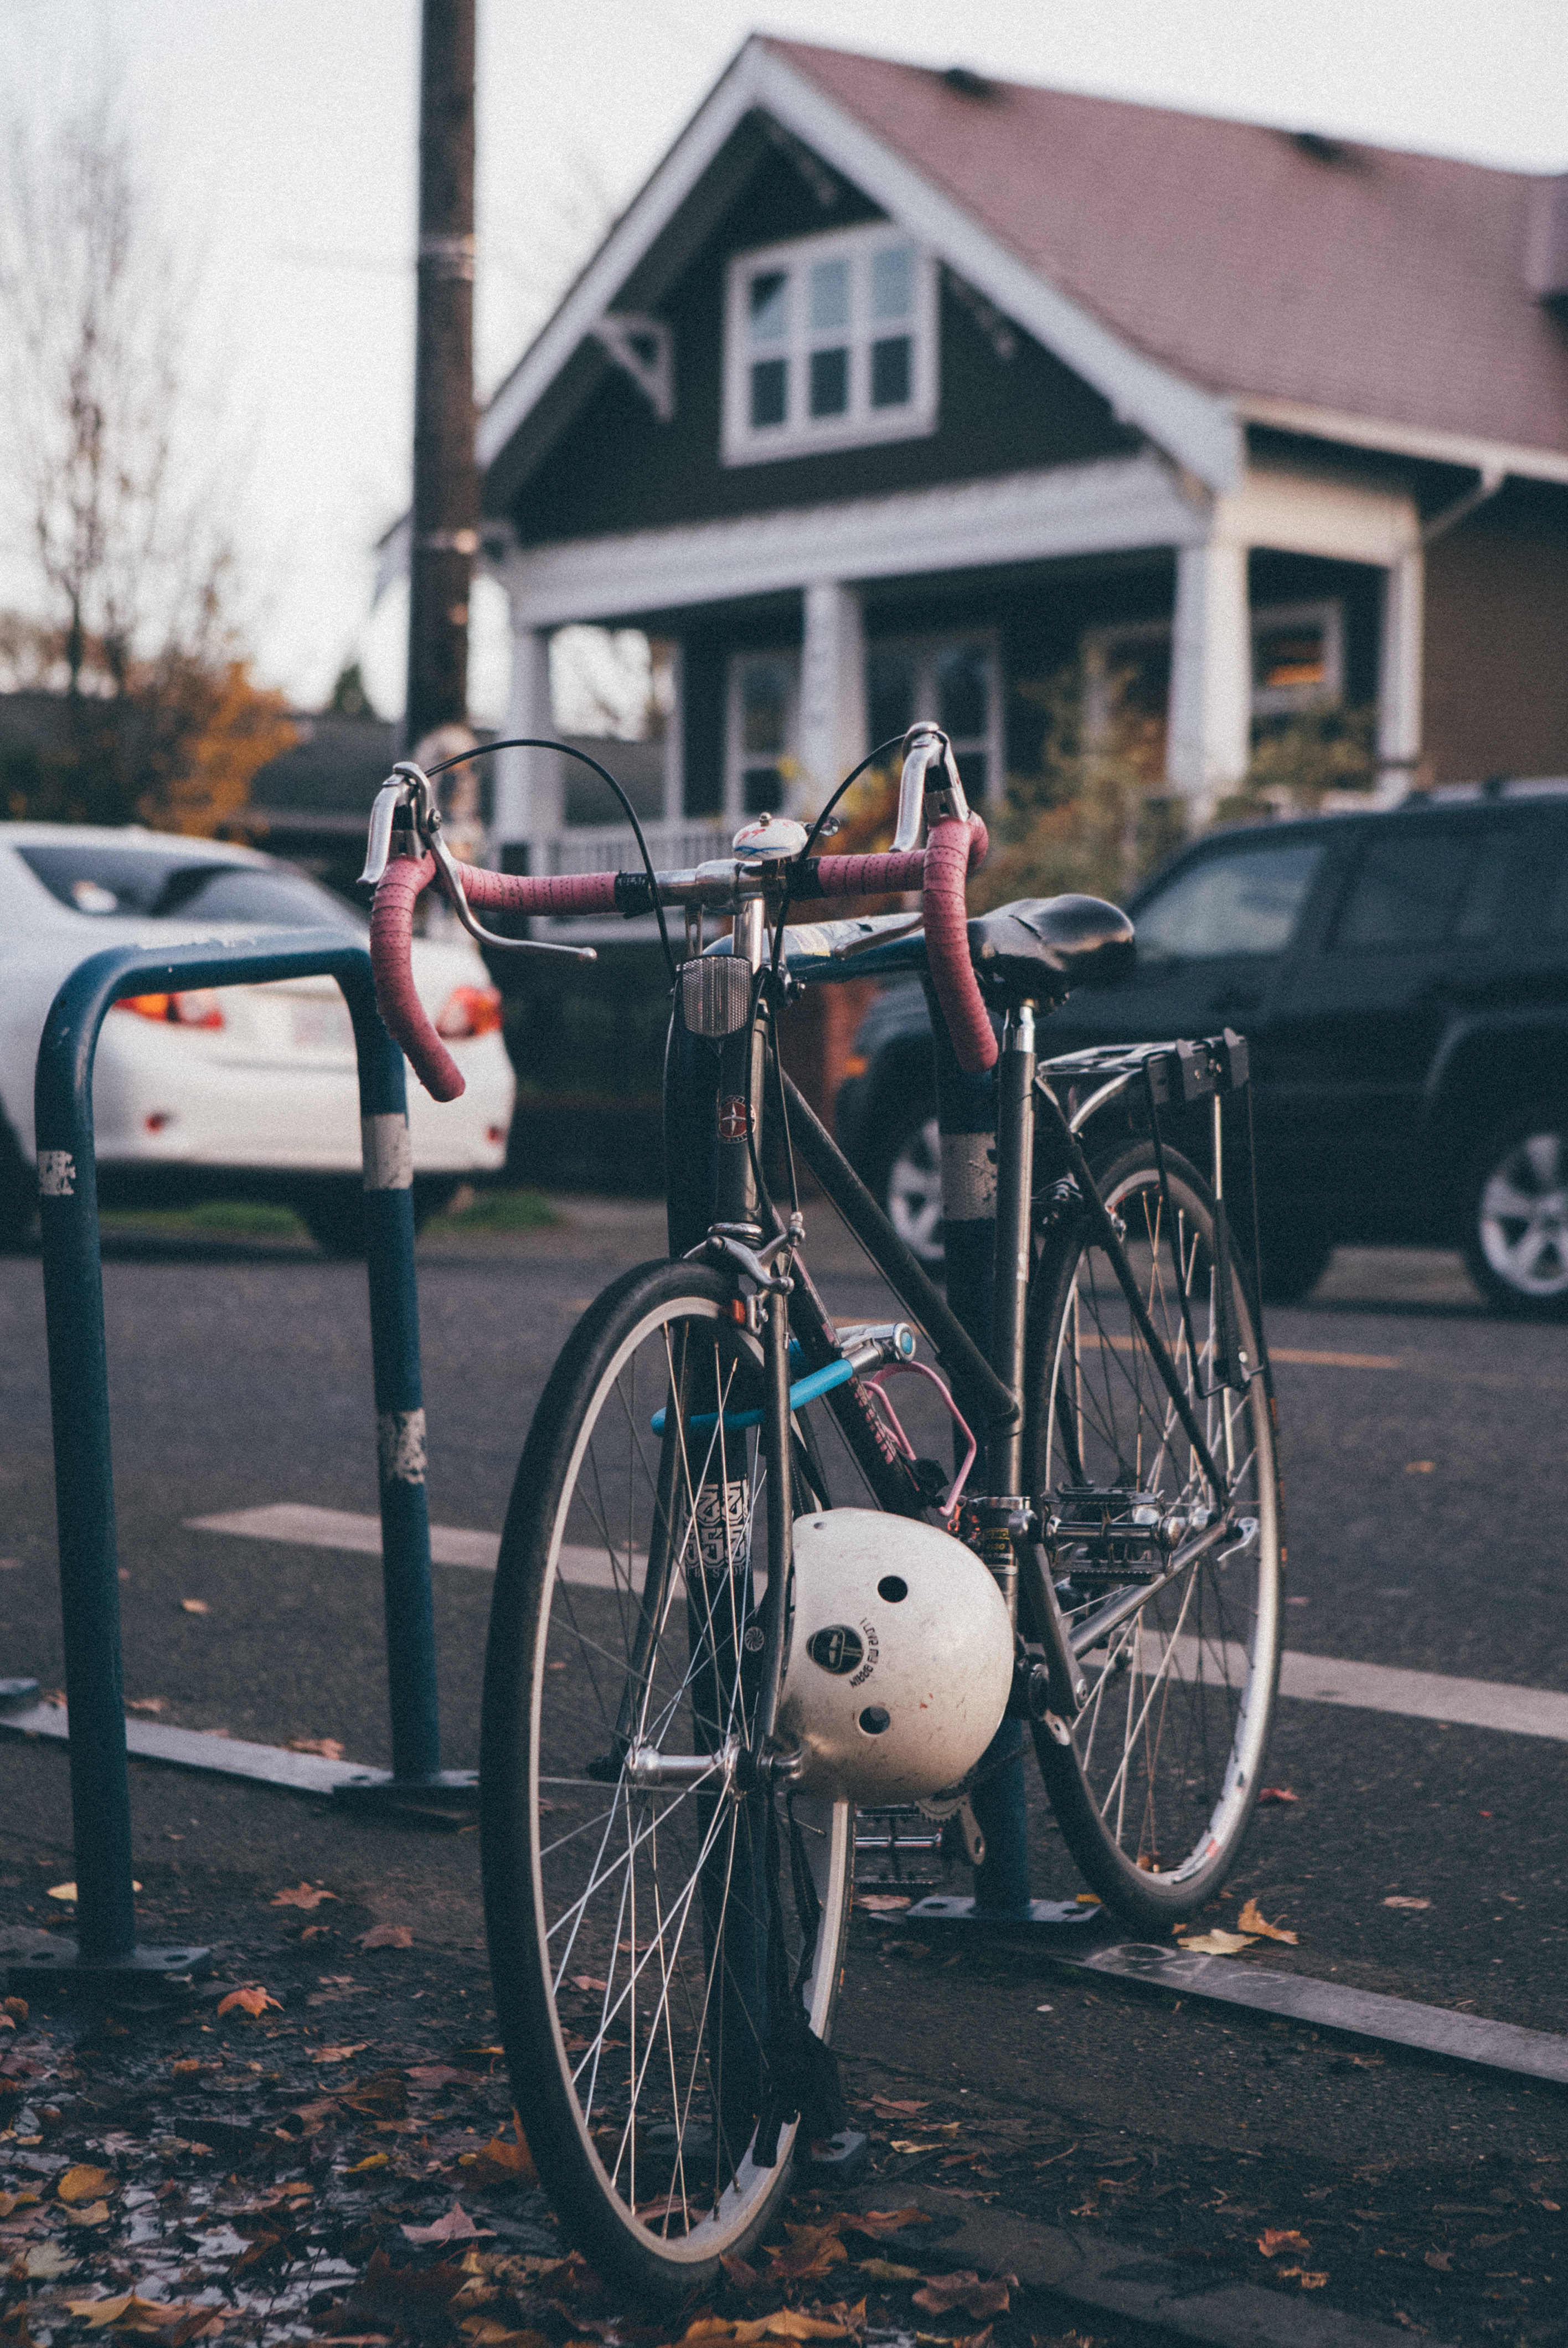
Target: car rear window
column 1432, row 888
column 1246, row 901
column 108, row 880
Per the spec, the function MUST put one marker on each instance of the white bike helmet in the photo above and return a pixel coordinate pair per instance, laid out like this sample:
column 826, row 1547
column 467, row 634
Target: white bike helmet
column 899, row 1661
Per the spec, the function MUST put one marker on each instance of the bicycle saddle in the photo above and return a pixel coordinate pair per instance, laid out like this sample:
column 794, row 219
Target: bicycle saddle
column 1042, row 947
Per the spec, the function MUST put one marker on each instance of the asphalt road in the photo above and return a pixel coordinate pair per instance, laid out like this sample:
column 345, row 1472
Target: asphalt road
column 1423, row 1484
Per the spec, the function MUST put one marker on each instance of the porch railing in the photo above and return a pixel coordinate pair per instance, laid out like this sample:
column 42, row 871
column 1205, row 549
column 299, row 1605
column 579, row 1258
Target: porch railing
column 612, row 847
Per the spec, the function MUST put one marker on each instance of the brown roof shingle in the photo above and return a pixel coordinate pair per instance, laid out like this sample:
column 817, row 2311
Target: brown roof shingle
column 1388, row 286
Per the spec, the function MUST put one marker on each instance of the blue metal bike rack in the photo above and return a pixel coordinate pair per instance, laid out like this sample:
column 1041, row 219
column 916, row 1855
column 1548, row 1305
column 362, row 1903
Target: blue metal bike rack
column 105, row 1950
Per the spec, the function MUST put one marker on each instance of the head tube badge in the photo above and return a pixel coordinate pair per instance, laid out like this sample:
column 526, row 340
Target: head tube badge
column 734, row 1117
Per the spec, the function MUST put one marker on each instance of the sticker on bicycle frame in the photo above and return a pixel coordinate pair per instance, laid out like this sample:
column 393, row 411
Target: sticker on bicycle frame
column 835, row 1649
column 734, row 1117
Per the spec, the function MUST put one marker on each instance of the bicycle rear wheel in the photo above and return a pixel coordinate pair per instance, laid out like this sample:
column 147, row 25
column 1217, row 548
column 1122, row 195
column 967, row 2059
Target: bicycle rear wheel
column 1155, row 1790
column 626, row 1894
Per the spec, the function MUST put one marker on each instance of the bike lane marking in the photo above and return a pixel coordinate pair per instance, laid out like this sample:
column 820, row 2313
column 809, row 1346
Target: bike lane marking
column 1305, row 1679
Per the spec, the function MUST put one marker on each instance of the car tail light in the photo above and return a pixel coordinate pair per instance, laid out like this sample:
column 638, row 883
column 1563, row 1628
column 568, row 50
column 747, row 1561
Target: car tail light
column 470, row 1011
column 199, row 1008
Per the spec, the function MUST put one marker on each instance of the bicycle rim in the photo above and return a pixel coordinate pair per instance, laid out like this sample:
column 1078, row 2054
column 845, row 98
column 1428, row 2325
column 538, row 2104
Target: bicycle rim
column 1156, row 1788
column 629, row 1911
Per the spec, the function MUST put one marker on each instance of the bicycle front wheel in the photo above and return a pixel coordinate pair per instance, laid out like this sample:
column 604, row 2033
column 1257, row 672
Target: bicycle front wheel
column 627, row 1863
column 1155, row 1790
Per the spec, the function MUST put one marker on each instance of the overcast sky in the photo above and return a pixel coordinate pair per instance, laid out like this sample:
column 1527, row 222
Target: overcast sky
column 281, row 136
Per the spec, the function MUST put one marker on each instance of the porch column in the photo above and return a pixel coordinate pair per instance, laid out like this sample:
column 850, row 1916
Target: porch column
column 528, row 785
column 1209, row 729
column 1399, row 675
column 675, row 736
column 832, row 730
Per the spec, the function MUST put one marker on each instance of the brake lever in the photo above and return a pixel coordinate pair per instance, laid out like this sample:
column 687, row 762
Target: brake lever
column 409, row 785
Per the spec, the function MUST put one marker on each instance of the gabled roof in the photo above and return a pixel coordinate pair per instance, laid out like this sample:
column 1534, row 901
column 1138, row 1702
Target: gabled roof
column 1274, row 267
column 1198, row 273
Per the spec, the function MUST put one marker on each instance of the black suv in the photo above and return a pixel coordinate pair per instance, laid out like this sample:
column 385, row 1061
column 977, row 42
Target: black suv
column 1403, row 980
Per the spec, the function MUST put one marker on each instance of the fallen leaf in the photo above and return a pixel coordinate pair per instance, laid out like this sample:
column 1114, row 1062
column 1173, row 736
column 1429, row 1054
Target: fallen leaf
column 84, row 2183
column 884, row 2271
column 99, row 2311
column 337, row 2053
column 941, row 2293
column 1442, row 2260
column 891, row 2107
column 500, row 2163
column 1276, row 1793
column 486, row 2332
column 1252, row 1920
column 384, row 2097
column 1399, row 1900
column 386, row 1936
column 1307, row 2281
column 417, row 2297
column 1274, row 2238
column 1419, row 1466
column 26, row 2201
column 328, row 1747
column 878, row 2224
column 96, row 2213
column 429, row 2075
column 15, row 2009
column 789, row 2324
column 1216, row 1943
column 809, row 2253
column 45, row 2262
column 67, row 1891
column 882, row 1903
column 153, row 1705
column 193, row 1606
column 457, row 2226
column 253, row 2000
column 372, row 2160
column 305, row 1895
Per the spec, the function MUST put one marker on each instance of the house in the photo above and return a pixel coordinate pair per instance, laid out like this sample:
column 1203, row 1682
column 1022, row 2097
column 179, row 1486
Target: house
column 895, row 390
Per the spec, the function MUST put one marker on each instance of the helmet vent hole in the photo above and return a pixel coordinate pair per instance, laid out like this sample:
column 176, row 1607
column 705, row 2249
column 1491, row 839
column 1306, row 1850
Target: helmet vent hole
column 875, row 1719
column 893, row 1587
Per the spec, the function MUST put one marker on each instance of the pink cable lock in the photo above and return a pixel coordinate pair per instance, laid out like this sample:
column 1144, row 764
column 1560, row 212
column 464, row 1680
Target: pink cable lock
column 949, row 1505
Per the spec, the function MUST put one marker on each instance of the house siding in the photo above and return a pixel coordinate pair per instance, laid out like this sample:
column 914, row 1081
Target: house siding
column 1496, row 691
column 617, row 469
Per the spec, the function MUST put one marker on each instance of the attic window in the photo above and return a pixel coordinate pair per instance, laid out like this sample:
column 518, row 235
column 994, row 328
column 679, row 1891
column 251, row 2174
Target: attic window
column 830, row 342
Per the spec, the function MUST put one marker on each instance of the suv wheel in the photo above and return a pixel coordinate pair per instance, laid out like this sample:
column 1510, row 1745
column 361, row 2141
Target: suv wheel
column 1516, row 1230
column 911, row 1190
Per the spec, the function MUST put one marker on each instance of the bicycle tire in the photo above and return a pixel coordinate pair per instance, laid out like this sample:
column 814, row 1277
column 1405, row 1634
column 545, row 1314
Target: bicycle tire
column 1155, row 1789
column 627, row 1923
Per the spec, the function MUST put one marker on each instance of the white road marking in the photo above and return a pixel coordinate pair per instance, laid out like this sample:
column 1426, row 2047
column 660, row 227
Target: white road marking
column 307, row 1527
column 1307, row 1679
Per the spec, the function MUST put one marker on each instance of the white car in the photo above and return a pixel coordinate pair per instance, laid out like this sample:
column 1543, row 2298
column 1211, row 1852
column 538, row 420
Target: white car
column 250, row 1090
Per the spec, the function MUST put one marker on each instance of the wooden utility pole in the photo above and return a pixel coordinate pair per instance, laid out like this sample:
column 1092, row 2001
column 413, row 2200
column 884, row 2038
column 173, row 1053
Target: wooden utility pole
column 445, row 482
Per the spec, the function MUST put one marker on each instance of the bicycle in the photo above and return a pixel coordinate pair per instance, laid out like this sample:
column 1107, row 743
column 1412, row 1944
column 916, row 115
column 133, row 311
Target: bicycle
column 659, row 1667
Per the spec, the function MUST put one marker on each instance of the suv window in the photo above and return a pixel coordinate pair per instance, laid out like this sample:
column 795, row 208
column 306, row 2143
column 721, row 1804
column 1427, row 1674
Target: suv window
column 93, row 877
column 1413, row 890
column 1247, row 900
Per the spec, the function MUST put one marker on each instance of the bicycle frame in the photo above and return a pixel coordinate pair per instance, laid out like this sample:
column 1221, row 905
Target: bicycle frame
column 716, row 1099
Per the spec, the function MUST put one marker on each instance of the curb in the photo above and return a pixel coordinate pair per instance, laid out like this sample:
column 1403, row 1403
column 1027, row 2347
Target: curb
column 1116, row 2279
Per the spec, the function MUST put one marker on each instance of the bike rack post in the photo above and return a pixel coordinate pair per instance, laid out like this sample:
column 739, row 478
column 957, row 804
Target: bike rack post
column 966, row 1119
column 106, row 1946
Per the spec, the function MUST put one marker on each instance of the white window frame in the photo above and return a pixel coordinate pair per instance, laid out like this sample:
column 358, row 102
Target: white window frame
column 737, row 758
column 925, row 648
column 862, row 425
column 1271, row 701
column 1101, row 646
